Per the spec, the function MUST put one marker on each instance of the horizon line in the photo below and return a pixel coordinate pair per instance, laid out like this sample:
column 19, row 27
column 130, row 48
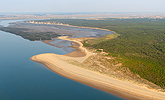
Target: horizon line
column 70, row 12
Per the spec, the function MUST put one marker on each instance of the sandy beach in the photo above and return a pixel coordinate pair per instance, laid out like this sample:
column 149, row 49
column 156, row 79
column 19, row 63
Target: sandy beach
column 123, row 89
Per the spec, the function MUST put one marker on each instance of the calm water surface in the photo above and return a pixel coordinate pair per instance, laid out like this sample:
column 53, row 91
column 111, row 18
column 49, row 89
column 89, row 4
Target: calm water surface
column 23, row 79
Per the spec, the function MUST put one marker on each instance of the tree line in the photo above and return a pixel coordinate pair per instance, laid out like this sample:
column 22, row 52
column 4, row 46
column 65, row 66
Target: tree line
column 141, row 44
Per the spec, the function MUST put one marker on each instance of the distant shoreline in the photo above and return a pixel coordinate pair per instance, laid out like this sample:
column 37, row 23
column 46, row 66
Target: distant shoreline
column 126, row 90
column 70, row 26
column 79, row 15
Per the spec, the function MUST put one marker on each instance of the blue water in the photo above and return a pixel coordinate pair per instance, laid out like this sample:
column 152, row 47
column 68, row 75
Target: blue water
column 23, row 79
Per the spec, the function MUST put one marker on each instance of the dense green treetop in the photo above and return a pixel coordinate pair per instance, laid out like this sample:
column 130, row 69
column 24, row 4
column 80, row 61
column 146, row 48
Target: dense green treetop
column 141, row 44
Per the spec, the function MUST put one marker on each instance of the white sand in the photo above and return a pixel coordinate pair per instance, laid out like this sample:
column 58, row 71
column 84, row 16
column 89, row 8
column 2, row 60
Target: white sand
column 53, row 60
column 127, row 90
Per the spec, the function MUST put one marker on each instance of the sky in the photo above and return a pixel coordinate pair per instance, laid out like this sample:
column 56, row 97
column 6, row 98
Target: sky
column 12, row 6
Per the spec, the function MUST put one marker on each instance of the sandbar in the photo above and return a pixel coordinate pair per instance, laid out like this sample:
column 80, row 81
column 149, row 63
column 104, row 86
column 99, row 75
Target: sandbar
column 123, row 89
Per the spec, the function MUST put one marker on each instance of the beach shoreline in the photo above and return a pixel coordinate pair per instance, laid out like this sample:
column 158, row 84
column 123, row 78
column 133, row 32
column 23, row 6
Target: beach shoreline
column 82, row 80
column 126, row 90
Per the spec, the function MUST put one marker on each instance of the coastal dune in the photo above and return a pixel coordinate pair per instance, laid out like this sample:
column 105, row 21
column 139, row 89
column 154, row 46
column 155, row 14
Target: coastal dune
column 123, row 89
column 96, row 80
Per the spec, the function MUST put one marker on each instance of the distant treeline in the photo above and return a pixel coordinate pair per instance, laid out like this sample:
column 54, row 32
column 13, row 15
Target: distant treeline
column 32, row 36
column 141, row 44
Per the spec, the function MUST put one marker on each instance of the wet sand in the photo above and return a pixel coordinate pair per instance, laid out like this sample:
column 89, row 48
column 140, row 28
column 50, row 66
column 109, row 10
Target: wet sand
column 126, row 90
column 77, row 52
column 72, row 48
column 71, row 31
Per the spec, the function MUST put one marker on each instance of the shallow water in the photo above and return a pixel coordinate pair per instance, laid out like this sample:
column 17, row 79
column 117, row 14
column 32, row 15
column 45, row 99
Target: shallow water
column 73, row 32
column 23, row 79
column 63, row 44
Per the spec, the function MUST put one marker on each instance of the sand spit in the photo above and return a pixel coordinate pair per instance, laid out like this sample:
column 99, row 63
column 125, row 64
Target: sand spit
column 120, row 88
column 126, row 90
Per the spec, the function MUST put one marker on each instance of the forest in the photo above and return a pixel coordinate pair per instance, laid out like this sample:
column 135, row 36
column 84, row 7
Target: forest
column 141, row 44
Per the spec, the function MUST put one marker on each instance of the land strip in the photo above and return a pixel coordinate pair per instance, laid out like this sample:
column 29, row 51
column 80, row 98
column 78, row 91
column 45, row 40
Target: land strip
column 127, row 90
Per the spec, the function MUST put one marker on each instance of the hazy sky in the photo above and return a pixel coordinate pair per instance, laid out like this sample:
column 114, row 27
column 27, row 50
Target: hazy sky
column 82, row 6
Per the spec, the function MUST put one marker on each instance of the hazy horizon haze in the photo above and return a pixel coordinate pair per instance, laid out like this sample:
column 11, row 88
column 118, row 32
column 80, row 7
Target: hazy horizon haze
column 26, row 6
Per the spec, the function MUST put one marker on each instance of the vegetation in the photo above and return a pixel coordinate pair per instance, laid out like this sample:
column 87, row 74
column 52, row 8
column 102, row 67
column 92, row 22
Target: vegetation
column 30, row 35
column 99, row 40
column 141, row 44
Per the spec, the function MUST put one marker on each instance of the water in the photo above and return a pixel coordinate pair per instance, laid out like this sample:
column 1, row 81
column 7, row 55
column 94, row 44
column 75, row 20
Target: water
column 23, row 79
column 63, row 44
